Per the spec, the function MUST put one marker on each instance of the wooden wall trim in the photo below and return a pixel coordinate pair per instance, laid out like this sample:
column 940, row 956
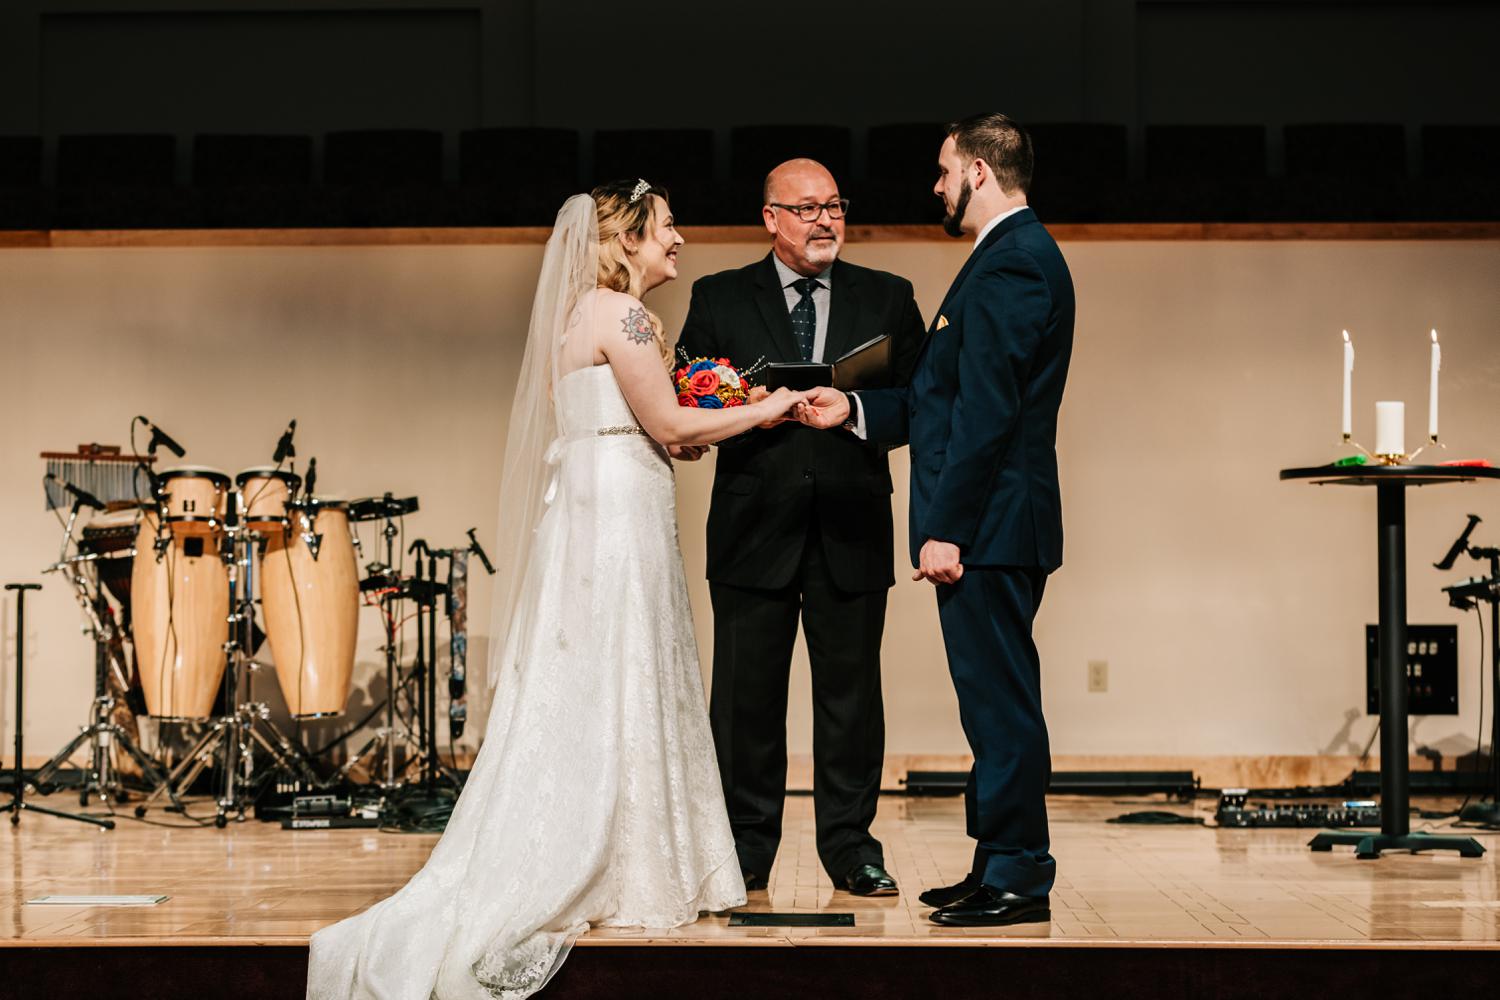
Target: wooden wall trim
column 528, row 235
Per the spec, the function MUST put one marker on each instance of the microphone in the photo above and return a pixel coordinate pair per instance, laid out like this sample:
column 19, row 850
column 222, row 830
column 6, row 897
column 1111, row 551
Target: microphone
column 83, row 497
column 160, row 437
column 310, row 480
column 284, row 448
column 1458, row 546
column 478, row 550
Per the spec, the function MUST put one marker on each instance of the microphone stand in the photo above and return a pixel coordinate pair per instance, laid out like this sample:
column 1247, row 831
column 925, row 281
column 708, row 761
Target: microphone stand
column 1488, row 813
column 1484, row 813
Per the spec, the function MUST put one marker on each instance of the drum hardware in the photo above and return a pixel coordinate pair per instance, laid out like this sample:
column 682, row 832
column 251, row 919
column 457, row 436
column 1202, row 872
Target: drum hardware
column 425, row 591
column 387, row 737
column 380, row 508
column 103, row 732
column 18, row 803
column 1467, row 596
column 231, row 739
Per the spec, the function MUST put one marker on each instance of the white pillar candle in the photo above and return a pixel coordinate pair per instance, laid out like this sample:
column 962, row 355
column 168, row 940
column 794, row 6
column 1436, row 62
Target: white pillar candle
column 1348, row 426
column 1432, row 391
column 1390, row 428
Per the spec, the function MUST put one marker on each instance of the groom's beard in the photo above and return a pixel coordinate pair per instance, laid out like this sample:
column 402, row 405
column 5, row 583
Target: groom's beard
column 953, row 222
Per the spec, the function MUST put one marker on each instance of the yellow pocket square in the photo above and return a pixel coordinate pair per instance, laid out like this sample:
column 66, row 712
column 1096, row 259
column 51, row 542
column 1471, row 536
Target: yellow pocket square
column 942, row 322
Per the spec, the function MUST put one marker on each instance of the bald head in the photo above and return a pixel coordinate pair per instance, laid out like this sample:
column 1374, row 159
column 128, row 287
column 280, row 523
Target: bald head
column 795, row 176
column 796, row 186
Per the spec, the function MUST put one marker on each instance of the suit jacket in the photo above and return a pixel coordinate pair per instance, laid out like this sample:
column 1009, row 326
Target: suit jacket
column 769, row 484
column 981, row 411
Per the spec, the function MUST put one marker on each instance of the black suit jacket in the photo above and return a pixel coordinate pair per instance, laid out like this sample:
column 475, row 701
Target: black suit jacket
column 769, row 484
column 981, row 411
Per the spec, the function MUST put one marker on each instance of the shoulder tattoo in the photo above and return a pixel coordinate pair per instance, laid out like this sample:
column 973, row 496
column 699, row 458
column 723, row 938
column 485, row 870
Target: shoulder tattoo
column 638, row 329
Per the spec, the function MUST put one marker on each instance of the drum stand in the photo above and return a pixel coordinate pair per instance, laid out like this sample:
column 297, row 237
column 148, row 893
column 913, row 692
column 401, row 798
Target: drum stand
column 231, row 739
column 102, row 732
column 388, row 737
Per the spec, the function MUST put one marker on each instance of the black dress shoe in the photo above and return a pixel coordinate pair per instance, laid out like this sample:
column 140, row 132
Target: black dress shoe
column 754, row 882
column 870, row 880
column 987, row 907
column 949, row 894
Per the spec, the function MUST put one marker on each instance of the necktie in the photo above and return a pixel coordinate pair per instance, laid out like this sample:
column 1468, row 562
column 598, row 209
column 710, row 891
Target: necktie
column 805, row 316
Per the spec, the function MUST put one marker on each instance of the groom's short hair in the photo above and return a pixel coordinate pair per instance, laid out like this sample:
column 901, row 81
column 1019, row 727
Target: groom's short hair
column 999, row 142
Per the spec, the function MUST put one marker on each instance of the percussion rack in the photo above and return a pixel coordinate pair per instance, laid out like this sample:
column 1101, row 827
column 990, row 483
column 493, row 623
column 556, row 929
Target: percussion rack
column 99, row 468
column 388, row 737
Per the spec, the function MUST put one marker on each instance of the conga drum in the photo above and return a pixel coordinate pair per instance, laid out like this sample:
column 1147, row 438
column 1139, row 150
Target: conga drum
column 192, row 499
column 309, row 594
column 180, row 610
column 267, row 493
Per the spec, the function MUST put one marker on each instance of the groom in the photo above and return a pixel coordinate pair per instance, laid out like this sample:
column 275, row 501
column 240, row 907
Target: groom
column 986, row 518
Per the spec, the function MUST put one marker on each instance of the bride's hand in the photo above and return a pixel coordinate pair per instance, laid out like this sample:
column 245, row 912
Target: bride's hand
column 778, row 405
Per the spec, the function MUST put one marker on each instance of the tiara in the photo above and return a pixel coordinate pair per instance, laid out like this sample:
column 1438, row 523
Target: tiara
column 641, row 187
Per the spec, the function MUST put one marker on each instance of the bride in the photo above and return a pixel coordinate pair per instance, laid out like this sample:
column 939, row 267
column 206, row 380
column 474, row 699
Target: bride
column 595, row 799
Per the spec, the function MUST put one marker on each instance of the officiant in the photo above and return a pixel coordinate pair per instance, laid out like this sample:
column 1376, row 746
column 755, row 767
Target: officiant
column 799, row 528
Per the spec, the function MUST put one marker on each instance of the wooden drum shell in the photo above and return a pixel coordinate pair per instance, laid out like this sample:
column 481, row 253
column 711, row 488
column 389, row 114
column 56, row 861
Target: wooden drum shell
column 180, row 618
column 311, row 609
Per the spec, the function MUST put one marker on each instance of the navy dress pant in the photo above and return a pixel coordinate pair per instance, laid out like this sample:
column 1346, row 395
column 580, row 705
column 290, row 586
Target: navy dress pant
column 986, row 619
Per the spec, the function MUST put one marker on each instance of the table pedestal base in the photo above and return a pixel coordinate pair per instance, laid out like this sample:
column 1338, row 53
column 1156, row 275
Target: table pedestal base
column 1369, row 845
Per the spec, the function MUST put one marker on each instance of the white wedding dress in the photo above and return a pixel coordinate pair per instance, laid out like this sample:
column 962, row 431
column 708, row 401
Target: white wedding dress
column 595, row 799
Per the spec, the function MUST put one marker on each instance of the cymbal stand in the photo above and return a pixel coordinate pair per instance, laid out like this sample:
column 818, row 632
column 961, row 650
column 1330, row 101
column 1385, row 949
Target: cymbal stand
column 102, row 732
column 387, row 738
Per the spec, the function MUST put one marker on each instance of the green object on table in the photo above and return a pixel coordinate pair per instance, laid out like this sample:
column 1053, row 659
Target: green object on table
column 1350, row 460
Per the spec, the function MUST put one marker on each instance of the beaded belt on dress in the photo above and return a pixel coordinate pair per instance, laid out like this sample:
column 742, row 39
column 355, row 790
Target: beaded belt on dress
column 620, row 429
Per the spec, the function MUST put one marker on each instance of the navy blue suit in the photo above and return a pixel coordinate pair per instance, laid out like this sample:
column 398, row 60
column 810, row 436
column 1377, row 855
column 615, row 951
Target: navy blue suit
column 980, row 416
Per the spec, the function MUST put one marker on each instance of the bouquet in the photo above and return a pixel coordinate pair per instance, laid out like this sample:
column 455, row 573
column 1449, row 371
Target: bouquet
column 710, row 383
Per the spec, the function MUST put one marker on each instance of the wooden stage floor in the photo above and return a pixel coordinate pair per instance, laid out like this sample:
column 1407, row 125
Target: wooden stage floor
column 256, row 884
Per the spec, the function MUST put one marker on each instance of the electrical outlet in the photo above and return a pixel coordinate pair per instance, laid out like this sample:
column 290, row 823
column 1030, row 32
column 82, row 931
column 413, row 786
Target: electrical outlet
column 1098, row 676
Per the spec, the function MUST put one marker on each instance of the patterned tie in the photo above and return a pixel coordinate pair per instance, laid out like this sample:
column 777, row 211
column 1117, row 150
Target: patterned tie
column 805, row 316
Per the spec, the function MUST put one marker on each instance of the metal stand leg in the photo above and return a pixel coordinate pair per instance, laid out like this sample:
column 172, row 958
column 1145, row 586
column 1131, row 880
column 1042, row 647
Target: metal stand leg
column 18, row 803
column 1395, row 822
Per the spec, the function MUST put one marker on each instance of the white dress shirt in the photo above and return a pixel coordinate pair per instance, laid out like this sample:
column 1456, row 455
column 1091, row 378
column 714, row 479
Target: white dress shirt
column 821, row 296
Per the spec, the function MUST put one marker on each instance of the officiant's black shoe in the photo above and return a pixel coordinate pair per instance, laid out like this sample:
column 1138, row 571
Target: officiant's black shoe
column 870, row 880
column 755, row 882
column 987, row 907
column 949, row 894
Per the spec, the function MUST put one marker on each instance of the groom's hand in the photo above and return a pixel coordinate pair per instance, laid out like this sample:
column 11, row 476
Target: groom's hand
column 939, row 562
column 687, row 452
column 824, row 408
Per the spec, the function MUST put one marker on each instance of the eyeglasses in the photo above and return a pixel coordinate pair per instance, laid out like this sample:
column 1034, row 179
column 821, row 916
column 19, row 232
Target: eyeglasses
column 811, row 213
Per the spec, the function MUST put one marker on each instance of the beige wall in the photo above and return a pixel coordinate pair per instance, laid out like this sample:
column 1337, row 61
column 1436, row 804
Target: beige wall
column 1229, row 606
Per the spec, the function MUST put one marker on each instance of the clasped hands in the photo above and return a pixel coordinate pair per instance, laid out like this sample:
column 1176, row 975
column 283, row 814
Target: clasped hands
column 824, row 407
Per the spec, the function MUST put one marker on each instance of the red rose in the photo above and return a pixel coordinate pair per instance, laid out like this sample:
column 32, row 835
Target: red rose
column 704, row 383
column 686, row 399
column 725, row 362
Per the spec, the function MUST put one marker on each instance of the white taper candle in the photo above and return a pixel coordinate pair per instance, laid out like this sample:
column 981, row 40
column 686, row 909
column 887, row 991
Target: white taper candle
column 1348, row 426
column 1432, row 391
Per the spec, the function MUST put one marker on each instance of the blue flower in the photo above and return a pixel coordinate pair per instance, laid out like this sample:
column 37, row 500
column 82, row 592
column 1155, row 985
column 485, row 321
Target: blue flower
column 710, row 403
column 701, row 366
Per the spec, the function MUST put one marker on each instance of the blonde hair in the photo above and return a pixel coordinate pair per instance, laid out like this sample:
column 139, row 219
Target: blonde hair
column 626, row 209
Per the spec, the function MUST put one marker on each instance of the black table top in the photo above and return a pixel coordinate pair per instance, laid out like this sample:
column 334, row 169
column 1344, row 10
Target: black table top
column 1374, row 475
